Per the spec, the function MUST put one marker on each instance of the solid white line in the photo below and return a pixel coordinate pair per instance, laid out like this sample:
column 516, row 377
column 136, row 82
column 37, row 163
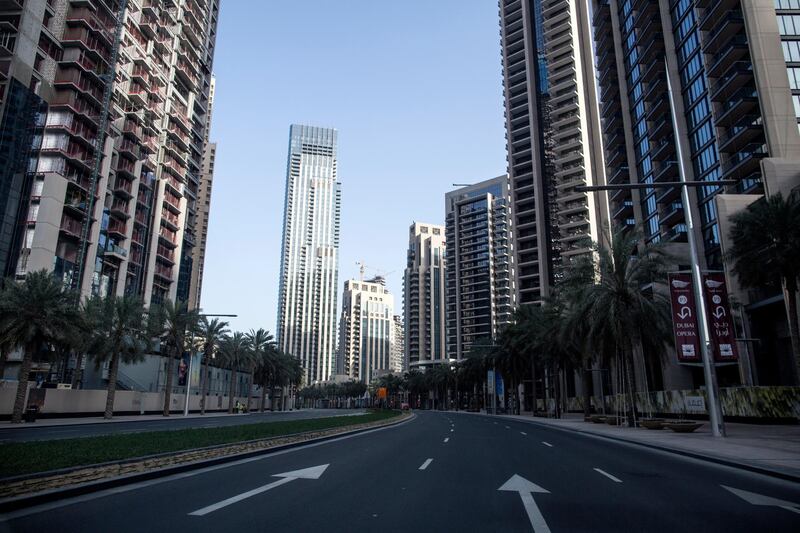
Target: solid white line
column 609, row 476
column 447, row 439
column 243, row 496
column 522, row 433
column 452, row 430
column 547, row 444
column 142, row 484
column 425, row 464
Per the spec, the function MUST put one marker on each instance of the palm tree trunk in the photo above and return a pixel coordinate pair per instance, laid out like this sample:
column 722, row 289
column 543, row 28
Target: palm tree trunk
column 113, row 369
column 263, row 397
column 230, row 390
column 628, row 363
column 791, row 311
column 168, row 385
column 78, row 374
column 204, row 385
column 587, row 376
column 271, row 396
column 3, row 359
column 22, row 385
column 250, row 386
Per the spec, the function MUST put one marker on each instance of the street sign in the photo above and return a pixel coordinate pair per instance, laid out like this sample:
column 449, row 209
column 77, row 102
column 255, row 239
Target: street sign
column 684, row 318
column 720, row 321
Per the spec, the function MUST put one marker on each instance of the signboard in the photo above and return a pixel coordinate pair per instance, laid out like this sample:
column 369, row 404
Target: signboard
column 382, row 393
column 720, row 322
column 695, row 404
column 183, row 369
column 490, row 380
column 499, row 385
column 684, row 318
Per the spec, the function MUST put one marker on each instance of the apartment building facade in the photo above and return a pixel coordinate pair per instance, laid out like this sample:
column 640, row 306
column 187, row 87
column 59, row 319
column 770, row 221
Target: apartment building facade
column 203, row 206
column 705, row 90
column 366, row 329
column 397, row 358
column 552, row 138
column 310, row 255
column 127, row 192
column 424, row 296
column 480, row 268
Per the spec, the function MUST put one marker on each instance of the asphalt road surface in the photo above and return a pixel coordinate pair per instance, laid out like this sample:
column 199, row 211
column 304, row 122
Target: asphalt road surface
column 440, row 472
column 71, row 431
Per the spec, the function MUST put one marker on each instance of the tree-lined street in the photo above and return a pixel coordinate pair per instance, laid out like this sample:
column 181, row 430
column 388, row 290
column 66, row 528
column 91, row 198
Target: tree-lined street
column 456, row 472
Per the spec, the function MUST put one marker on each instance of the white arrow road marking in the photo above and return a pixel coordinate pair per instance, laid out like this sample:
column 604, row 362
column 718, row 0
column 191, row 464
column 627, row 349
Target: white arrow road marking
column 609, row 476
column 547, row 444
column 447, row 439
column 307, row 473
column 524, row 487
column 760, row 499
column 522, row 433
column 425, row 464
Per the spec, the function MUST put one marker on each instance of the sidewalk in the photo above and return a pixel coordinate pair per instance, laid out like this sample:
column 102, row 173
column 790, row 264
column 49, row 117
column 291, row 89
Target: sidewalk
column 770, row 449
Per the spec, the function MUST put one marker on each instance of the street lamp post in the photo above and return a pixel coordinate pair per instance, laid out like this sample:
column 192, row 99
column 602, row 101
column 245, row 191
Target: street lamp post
column 189, row 369
column 710, row 374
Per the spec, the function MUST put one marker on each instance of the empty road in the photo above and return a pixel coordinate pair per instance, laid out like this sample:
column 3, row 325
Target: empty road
column 440, row 472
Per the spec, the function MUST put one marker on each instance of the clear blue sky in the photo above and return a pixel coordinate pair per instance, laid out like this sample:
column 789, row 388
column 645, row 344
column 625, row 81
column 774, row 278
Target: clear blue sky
column 415, row 91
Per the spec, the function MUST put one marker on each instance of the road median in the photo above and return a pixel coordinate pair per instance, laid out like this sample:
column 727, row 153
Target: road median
column 64, row 468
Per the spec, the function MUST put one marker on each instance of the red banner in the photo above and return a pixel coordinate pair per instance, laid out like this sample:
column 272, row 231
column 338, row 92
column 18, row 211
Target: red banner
column 720, row 321
column 684, row 318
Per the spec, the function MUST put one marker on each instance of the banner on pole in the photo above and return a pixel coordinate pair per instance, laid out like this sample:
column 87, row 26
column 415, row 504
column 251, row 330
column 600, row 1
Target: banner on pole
column 684, row 318
column 720, row 322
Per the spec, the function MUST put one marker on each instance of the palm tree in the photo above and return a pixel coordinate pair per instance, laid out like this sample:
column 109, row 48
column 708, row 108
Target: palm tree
column 212, row 332
column 617, row 315
column 176, row 320
column 263, row 345
column 236, row 353
column 766, row 251
column 119, row 333
column 289, row 372
column 33, row 314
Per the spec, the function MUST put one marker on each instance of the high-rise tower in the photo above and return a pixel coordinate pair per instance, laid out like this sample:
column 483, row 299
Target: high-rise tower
column 480, row 271
column 552, row 137
column 366, row 329
column 310, row 255
column 134, row 215
column 424, row 296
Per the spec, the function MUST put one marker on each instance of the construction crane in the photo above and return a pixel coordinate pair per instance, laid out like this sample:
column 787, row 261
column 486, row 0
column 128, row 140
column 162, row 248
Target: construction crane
column 362, row 268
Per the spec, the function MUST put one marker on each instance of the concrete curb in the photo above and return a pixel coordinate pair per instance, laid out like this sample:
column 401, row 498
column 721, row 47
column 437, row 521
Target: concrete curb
column 676, row 451
column 29, row 500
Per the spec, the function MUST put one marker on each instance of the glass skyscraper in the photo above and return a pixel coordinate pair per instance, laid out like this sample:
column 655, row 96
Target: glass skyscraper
column 310, row 255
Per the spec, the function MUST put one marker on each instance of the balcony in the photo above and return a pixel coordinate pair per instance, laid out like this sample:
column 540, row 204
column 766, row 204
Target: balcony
column 744, row 132
column 736, row 77
column 735, row 50
column 744, row 163
column 714, row 11
column 71, row 228
column 730, row 25
column 116, row 252
column 620, row 176
column 624, row 209
column 675, row 234
column 666, row 171
column 672, row 214
column 123, row 188
column 662, row 150
column 742, row 102
column 116, row 228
